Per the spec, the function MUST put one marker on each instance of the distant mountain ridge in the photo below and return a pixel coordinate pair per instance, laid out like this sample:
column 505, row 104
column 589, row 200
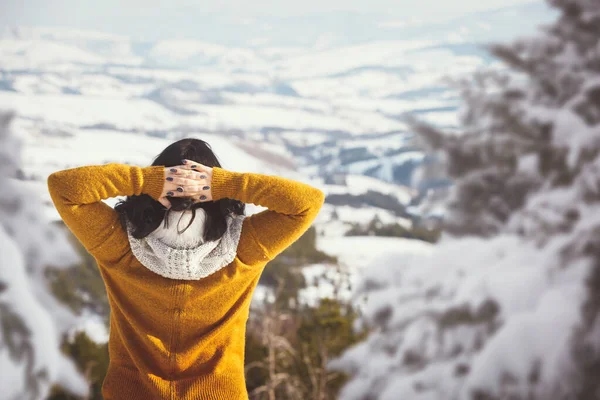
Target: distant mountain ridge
column 332, row 110
column 331, row 29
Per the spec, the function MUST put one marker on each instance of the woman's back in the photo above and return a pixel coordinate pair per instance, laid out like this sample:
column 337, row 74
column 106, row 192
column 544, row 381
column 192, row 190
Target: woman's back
column 179, row 338
column 180, row 332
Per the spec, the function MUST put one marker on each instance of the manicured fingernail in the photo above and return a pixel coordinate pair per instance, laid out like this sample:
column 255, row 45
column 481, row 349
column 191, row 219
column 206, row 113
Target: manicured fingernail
column 202, row 197
column 202, row 176
column 180, row 189
column 170, row 193
column 173, row 170
column 169, row 178
column 206, row 188
column 183, row 161
column 194, row 166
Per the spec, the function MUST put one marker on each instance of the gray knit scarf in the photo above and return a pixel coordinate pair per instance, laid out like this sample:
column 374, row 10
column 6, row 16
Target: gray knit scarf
column 184, row 255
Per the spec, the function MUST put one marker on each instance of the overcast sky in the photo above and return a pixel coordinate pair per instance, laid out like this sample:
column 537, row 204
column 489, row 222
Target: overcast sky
column 65, row 11
column 161, row 18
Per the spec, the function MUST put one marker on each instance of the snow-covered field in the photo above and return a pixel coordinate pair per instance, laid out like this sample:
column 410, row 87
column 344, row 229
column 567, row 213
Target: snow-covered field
column 328, row 113
column 360, row 251
column 355, row 254
column 301, row 112
column 305, row 113
column 47, row 154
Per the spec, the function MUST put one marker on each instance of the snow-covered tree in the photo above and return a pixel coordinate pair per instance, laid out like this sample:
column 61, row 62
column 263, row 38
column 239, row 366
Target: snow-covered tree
column 507, row 305
column 31, row 320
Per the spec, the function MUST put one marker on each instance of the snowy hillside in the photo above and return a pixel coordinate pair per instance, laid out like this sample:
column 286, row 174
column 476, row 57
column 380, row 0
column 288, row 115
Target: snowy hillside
column 329, row 113
column 324, row 113
column 323, row 99
column 355, row 254
column 321, row 29
column 505, row 306
column 349, row 95
column 51, row 152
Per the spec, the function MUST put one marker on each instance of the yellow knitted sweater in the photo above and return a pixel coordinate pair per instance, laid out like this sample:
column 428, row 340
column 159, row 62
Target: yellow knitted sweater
column 179, row 339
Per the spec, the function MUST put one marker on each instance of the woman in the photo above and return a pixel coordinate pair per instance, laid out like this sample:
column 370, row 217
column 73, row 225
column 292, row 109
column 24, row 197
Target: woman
column 180, row 292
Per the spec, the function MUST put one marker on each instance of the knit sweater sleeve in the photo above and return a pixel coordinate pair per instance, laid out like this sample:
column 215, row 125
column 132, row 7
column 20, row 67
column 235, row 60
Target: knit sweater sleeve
column 291, row 208
column 77, row 194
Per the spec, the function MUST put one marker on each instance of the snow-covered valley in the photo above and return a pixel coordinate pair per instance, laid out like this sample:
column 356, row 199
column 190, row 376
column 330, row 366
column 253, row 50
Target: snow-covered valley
column 327, row 115
column 500, row 303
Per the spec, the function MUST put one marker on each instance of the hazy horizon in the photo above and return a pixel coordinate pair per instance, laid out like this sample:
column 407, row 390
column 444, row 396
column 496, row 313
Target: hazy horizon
column 228, row 21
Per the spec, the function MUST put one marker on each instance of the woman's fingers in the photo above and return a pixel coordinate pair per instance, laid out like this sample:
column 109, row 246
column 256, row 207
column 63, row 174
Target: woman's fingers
column 181, row 187
column 184, row 176
column 194, row 166
column 204, row 170
column 186, row 190
column 188, row 180
column 184, row 172
column 185, row 185
column 185, row 181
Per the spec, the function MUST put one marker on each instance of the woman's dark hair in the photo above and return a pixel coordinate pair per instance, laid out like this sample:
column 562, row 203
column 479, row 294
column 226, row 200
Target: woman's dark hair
column 146, row 214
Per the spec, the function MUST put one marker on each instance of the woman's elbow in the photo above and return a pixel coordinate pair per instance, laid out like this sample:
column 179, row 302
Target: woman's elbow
column 317, row 199
column 54, row 182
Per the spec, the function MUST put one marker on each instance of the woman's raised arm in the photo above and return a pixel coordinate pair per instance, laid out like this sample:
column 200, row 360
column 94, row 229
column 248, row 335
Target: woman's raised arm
column 291, row 205
column 291, row 208
column 77, row 194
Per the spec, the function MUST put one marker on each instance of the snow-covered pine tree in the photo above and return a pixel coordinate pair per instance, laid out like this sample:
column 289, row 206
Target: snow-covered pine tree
column 31, row 320
column 507, row 305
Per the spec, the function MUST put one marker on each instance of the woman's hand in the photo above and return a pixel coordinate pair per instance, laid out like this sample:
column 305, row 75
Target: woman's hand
column 189, row 179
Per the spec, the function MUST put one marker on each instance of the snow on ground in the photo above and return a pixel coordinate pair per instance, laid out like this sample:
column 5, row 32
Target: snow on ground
column 333, row 228
column 93, row 326
column 89, row 84
column 361, row 184
column 339, row 60
column 394, row 106
column 233, row 157
column 143, row 114
column 379, row 144
column 304, row 139
column 256, row 116
column 326, row 281
column 360, row 167
column 351, row 215
column 78, row 111
column 186, row 52
column 47, row 154
column 344, row 90
column 35, row 54
column 274, row 100
column 392, row 75
column 206, row 77
column 385, row 83
column 42, row 338
column 354, row 254
column 110, row 47
column 441, row 118
column 33, row 320
column 359, row 251
column 58, row 33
